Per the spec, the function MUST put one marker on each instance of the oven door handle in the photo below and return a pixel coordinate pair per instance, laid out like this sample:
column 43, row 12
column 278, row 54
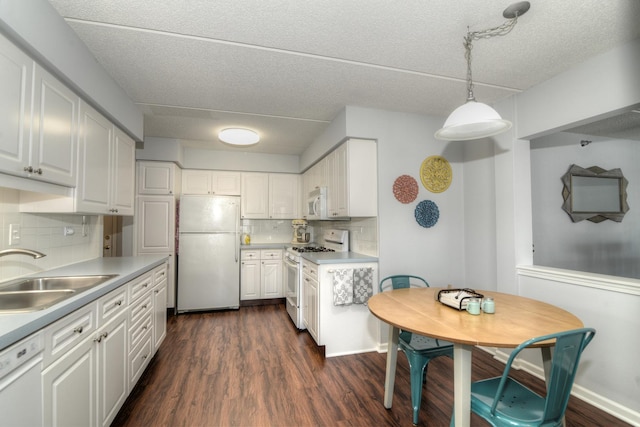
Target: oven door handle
column 290, row 263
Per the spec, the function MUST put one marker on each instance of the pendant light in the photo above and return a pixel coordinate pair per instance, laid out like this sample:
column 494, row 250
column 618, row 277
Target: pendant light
column 475, row 120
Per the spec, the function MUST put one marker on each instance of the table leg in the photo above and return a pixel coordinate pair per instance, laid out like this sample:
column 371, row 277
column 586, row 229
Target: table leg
column 392, row 356
column 462, row 384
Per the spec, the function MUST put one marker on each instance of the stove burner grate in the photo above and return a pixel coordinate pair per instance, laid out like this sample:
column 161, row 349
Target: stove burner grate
column 313, row 249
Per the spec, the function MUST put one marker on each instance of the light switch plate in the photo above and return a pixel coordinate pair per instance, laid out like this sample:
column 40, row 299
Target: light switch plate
column 14, row 234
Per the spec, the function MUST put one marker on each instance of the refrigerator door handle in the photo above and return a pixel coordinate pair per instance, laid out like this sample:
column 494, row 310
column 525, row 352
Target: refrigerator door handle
column 237, row 232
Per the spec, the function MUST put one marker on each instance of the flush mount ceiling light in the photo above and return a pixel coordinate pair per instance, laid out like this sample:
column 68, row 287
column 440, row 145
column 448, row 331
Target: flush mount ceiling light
column 238, row 136
column 475, row 120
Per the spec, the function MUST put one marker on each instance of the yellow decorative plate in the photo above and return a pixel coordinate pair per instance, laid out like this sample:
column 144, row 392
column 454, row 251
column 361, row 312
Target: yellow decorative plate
column 436, row 174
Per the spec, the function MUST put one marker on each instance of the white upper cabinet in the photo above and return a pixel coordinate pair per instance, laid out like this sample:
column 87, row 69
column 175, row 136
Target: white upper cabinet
column 123, row 173
column 16, row 71
column 315, row 177
column 37, row 141
column 352, row 189
column 155, row 221
column 107, row 159
column 96, row 145
column 270, row 196
column 223, row 183
column 284, row 198
column 255, row 196
column 158, row 178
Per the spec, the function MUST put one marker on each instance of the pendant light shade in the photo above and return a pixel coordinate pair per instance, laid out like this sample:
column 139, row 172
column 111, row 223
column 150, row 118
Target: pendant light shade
column 472, row 120
column 475, row 120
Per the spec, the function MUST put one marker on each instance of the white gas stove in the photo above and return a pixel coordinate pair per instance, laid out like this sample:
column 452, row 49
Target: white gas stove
column 334, row 241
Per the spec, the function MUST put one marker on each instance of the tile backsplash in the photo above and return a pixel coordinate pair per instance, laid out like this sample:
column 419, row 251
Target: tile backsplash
column 45, row 233
column 363, row 232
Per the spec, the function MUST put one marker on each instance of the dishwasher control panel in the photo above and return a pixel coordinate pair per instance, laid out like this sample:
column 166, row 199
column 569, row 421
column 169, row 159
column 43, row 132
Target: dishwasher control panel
column 19, row 353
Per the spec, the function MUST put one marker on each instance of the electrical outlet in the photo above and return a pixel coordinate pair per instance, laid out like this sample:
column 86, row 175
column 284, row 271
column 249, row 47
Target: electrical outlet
column 14, row 234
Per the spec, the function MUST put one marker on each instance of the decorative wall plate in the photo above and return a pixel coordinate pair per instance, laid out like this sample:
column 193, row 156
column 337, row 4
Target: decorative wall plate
column 427, row 213
column 436, row 174
column 405, row 189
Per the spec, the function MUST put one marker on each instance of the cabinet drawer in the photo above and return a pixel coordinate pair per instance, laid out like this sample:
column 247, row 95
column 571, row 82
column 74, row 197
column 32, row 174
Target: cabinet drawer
column 112, row 304
column 63, row 335
column 160, row 273
column 140, row 308
column 139, row 359
column 271, row 254
column 310, row 269
column 141, row 329
column 140, row 285
column 249, row 255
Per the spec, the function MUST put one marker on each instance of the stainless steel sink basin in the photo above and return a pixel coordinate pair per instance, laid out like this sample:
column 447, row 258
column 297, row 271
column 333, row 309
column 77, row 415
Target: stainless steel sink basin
column 25, row 301
column 54, row 283
column 38, row 293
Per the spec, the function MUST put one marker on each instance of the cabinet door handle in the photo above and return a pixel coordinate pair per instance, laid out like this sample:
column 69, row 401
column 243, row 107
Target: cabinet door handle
column 99, row 339
column 38, row 171
column 28, row 169
column 78, row 330
column 119, row 302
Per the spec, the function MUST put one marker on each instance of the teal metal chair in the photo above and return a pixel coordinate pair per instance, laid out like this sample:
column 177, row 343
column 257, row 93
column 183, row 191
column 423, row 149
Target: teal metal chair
column 419, row 349
column 502, row 401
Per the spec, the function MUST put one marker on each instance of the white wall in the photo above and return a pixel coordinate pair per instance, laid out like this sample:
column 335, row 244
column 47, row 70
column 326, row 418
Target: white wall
column 240, row 161
column 608, row 247
column 43, row 232
column 404, row 141
column 160, row 149
column 599, row 87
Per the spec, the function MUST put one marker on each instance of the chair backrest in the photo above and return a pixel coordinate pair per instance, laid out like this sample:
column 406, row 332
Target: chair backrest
column 566, row 357
column 402, row 281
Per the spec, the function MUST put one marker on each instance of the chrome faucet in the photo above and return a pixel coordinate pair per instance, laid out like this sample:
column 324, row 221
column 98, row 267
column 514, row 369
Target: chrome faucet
column 18, row 251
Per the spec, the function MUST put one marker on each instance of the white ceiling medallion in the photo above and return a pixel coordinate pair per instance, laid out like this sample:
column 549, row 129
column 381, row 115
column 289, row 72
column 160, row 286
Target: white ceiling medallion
column 475, row 120
column 238, row 136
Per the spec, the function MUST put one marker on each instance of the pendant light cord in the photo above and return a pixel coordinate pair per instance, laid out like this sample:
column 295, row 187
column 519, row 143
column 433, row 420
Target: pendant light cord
column 501, row 30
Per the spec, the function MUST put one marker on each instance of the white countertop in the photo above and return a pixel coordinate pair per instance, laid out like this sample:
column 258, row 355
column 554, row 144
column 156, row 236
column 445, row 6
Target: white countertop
column 337, row 257
column 14, row 327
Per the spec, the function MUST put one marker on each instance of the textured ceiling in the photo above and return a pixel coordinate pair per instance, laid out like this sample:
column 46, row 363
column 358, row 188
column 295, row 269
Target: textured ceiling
column 287, row 68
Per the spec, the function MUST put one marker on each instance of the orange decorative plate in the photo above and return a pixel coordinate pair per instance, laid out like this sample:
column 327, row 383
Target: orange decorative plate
column 436, row 174
column 405, row 189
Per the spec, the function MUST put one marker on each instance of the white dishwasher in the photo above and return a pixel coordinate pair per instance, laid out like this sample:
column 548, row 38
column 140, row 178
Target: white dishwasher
column 21, row 383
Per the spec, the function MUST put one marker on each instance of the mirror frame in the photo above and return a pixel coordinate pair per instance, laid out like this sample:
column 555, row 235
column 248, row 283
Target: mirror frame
column 597, row 172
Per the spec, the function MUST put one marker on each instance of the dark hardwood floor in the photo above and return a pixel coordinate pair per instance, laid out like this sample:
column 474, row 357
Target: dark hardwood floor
column 251, row 367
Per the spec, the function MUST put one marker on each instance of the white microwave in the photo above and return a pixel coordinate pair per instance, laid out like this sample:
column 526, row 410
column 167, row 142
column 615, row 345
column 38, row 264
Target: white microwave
column 317, row 204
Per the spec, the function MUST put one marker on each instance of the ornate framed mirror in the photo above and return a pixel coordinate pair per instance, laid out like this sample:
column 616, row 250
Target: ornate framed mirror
column 594, row 194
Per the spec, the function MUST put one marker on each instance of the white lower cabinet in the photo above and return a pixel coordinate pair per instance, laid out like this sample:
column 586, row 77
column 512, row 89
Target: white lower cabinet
column 113, row 384
column 94, row 356
column 261, row 274
column 326, row 321
column 310, row 303
column 159, row 294
column 69, row 388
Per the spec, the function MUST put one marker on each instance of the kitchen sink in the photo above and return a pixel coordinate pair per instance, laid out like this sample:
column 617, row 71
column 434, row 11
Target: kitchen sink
column 25, row 301
column 56, row 283
column 38, row 293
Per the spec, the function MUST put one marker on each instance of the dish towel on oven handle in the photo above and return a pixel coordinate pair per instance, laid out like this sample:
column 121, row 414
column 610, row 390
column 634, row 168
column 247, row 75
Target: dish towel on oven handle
column 352, row 286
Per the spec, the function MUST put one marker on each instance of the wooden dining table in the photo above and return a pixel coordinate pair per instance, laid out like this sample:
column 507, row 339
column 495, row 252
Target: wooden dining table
column 516, row 319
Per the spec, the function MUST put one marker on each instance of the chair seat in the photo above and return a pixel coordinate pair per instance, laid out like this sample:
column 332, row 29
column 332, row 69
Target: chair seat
column 420, row 343
column 517, row 403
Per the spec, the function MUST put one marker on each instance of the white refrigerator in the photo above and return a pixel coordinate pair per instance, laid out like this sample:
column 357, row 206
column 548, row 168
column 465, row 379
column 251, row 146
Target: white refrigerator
column 209, row 252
